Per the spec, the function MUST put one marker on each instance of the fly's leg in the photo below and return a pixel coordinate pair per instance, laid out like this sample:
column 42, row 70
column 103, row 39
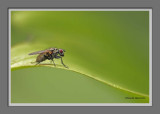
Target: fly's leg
column 37, row 63
column 52, row 60
column 53, row 63
column 57, row 57
column 63, row 63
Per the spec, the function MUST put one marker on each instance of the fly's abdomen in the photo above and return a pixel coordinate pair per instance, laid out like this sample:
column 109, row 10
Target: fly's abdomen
column 40, row 58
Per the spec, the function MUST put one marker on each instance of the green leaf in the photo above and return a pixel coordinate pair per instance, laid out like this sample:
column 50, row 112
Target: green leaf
column 36, row 85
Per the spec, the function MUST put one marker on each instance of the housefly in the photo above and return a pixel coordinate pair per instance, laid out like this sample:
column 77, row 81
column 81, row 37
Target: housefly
column 49, row 54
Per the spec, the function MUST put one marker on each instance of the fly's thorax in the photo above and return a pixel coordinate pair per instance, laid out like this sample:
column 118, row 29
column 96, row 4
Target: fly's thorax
column 55, row 50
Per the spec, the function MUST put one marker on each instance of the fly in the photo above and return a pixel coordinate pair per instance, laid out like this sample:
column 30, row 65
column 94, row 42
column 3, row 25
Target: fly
column 49, row 54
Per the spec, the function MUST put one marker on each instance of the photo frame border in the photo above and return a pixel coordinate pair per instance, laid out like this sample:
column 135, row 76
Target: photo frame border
column 4, row 106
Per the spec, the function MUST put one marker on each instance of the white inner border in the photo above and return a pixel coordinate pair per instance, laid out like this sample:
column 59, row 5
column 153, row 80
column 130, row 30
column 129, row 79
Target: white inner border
column 85, row 104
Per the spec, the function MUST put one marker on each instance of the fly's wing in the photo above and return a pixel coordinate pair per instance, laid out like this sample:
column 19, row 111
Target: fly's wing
column 38, row 52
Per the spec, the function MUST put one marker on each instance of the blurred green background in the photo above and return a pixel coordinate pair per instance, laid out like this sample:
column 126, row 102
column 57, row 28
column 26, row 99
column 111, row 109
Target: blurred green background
column 107, row 53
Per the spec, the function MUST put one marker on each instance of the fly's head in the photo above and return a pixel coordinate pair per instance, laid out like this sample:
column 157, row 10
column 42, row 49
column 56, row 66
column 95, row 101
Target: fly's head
column 61, row 52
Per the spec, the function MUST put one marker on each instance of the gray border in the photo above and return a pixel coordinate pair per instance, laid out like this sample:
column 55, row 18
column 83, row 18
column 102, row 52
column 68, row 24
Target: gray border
column 154, row 4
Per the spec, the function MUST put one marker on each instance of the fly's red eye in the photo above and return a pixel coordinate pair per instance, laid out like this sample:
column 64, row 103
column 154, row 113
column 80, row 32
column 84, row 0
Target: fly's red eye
column 60, row 50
